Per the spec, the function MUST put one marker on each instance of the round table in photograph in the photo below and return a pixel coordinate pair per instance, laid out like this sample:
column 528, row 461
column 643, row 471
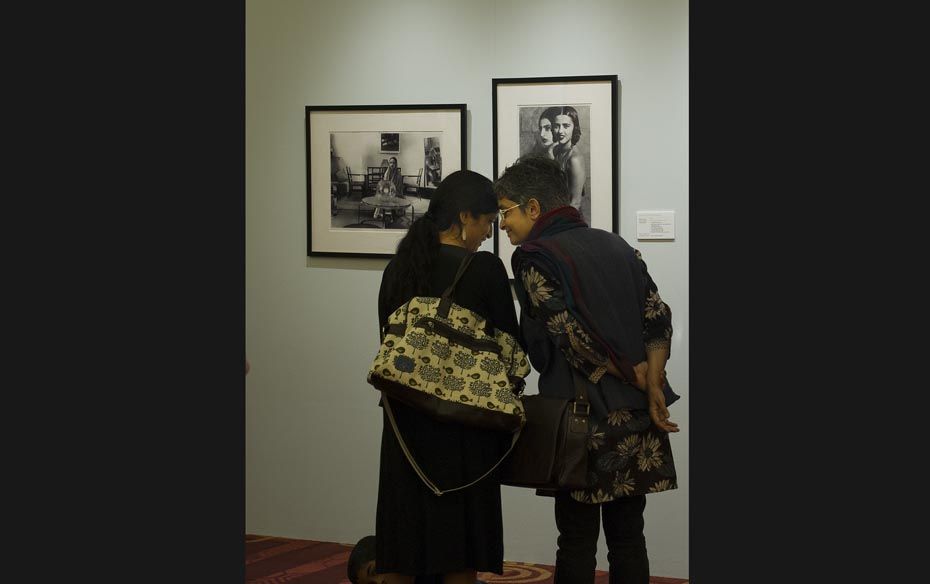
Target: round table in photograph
column 392, row 207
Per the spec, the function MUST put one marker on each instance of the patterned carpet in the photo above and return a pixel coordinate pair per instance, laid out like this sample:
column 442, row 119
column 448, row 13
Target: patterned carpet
column 276, row 560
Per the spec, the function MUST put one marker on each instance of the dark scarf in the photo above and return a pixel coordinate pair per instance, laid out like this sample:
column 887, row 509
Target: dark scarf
column 555, row 254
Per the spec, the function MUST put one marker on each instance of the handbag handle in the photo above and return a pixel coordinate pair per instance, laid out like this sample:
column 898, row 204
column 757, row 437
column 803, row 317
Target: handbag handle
column 445, row 304
column 458, row 275
column 426, row 481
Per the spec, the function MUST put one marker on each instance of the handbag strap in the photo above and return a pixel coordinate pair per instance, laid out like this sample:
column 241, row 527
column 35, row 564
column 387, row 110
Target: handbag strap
column 458, row 275
column 445, row 303
column 426, row 481
column 581, row 392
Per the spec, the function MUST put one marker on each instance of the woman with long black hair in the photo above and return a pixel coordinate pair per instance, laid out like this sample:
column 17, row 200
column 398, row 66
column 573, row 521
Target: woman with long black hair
column 461, row 532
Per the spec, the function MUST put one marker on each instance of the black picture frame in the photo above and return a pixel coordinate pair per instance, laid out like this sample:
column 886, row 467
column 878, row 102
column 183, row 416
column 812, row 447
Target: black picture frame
column 361, row 128
column 390, row 142
column 592, row 103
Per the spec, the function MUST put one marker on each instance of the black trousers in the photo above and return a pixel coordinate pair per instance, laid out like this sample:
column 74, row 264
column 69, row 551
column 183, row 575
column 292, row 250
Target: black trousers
column 579, row 527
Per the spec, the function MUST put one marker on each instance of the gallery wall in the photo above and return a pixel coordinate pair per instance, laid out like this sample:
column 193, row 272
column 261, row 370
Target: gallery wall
column 313, row 426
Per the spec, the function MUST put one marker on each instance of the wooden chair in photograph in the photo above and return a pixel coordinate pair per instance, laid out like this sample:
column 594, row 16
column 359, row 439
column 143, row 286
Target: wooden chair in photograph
column 374, row 176
column 356, row 183
column 413, row 189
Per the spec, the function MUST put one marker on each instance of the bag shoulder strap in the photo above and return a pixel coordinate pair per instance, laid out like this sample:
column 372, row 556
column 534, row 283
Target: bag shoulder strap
column 446, row 300
column 445, row 303
column 581, row 391
column 458, row 275
column 426, row 481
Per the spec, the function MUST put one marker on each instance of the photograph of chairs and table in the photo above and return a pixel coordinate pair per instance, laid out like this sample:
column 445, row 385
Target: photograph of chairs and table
column 382, row 180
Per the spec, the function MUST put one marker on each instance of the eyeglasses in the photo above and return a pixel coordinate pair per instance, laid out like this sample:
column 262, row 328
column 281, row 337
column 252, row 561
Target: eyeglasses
column 503, row 212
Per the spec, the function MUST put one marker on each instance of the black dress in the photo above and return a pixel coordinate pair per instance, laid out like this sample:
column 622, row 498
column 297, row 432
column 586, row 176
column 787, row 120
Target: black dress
column 417, row 531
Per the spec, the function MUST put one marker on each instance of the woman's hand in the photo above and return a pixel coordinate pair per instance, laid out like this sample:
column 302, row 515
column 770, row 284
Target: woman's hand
column 640, row 370
column 658, row 412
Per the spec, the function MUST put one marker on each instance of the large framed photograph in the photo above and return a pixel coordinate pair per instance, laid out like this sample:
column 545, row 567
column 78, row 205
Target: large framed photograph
column 572, row 120
column 371, row 171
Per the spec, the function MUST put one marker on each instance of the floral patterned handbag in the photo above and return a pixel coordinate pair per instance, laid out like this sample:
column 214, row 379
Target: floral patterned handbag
column 451, row 363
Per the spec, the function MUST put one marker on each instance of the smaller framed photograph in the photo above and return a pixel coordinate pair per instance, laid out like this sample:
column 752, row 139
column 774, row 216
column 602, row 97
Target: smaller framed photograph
column 390, row 142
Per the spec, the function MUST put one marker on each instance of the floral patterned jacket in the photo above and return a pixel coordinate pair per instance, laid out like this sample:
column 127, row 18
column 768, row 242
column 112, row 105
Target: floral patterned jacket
column 547, row 304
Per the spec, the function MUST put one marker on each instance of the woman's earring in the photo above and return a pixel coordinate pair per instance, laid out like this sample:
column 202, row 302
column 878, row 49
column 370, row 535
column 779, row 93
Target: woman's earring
column 463, row 232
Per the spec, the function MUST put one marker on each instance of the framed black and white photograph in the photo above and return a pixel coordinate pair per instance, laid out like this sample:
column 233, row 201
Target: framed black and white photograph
column 390, row 142
column 573, row 120
column 366, row 185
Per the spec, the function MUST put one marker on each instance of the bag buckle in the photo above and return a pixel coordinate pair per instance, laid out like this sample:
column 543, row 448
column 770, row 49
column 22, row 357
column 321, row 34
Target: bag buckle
column 587, row 407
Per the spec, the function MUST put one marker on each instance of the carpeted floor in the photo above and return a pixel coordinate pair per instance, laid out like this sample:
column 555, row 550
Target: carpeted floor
column 276, row 560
